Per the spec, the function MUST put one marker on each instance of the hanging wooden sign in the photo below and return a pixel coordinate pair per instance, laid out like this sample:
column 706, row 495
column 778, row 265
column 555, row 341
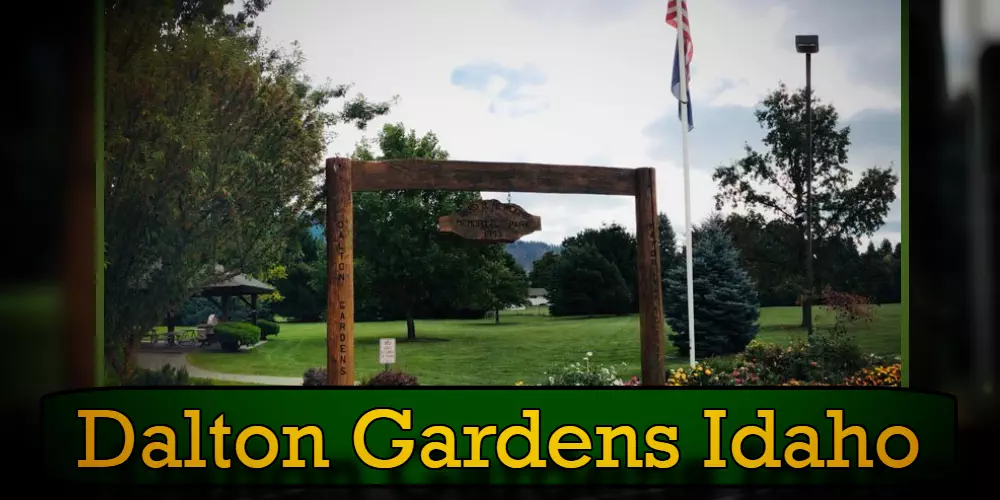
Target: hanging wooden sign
column 491, row 221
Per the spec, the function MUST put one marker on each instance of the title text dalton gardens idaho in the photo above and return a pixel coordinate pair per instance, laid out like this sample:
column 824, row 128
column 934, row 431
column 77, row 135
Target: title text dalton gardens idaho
column 566, row 445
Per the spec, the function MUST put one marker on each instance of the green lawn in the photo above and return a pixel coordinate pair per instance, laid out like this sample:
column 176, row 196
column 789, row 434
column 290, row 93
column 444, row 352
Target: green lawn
column 522, row 347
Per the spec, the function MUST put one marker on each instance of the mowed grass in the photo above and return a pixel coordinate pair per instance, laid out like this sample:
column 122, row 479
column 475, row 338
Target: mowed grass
column 522, row 347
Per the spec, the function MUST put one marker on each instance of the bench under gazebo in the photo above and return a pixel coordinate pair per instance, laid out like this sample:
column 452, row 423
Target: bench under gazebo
column 221, row 295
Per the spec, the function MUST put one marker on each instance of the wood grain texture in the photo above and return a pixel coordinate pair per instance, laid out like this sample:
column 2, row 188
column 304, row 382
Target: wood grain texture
column 488, row 176
column 340, row 273
column 651, row 329
column 491, row 221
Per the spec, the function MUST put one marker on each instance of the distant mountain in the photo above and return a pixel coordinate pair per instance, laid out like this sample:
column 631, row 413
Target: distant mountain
column 524, row 252
column 527, row 252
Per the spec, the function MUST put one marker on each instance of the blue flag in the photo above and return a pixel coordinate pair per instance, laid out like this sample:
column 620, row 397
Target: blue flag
column 675, row 87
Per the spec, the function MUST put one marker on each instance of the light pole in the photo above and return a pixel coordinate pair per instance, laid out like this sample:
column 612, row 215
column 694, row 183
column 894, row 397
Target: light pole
column 808, row 45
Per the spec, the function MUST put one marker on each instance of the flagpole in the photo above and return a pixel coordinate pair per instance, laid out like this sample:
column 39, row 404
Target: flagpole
column 682, row 67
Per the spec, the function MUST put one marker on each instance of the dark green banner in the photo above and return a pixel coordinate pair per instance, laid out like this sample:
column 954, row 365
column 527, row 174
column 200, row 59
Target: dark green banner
column 498, row 436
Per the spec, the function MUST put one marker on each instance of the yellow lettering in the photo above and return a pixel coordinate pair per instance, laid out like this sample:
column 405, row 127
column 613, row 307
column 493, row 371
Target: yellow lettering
column 839, row 434
column 883, row 439
column 195, row 461
column 714, row 417
column 608, row 435
column 810, row 446
column 673, row 454
column 403, row 419
column 241, row 446
column 448, row 447
column 89, row 419
column 476, row 435
column 532, row 459
column 294, row 435
column 557, row 446
column 219, row 430
column 168, row 446
column 766, row 434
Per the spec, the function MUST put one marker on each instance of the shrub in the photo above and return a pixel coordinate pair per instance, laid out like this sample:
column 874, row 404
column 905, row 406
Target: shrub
column 268, row 328
column 314, row 377
column 233, row 334
column 584, row 374
column 391, row 378
column 702, row 374
column 726, row 318
column 166, row 375
column 847, row 308
column 774, row 364
column 838, row 354
column 828, row 359
column 882, row 375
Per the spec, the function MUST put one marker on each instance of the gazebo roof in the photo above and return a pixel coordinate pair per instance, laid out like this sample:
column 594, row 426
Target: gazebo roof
column 240, row 284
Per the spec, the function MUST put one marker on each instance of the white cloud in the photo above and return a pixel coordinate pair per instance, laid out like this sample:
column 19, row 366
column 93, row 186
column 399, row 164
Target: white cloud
column 606, row 71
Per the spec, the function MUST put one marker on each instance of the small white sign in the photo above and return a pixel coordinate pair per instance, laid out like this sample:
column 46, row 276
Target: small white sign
column 386, row 351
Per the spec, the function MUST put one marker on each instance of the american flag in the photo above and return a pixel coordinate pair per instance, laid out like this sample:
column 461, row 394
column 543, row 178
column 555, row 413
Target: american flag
column 677, row 9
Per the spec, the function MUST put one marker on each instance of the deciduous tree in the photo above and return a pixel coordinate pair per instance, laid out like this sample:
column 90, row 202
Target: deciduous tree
column 506, row 284
column 773, row 182
column 211, row 145
column 396, row 232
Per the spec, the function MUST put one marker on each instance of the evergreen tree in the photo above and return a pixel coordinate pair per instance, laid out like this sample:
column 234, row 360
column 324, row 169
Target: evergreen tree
column 725, row 299
column 584, row 282
column 668, row 246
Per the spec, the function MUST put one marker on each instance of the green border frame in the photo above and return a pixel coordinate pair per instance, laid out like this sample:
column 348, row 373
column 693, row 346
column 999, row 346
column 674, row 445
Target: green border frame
column 904, row 197
column 99, row 47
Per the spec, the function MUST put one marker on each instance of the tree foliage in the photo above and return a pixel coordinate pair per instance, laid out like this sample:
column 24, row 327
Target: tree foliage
column 618, row 246
column 584, row 282
column 211, row 145
column 764, row 253
column 541, row 272
column 506, row 284
column 413, row 265
column 668, row 245
column 774, row 182
column 726, row 307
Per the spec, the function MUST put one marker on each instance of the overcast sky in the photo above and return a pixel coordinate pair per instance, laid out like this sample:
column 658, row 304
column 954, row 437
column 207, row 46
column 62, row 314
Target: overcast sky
column 588, row 82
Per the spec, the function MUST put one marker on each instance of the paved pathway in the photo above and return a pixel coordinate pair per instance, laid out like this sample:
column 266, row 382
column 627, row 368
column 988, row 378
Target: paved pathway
column 154, row 359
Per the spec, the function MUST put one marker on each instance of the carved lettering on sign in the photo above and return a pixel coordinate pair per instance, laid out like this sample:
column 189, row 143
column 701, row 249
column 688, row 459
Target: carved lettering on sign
column 491, row 221
column 343, row 273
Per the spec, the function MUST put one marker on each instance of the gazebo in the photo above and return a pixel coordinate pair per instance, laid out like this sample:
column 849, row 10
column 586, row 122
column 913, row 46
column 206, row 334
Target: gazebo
column 240, row 286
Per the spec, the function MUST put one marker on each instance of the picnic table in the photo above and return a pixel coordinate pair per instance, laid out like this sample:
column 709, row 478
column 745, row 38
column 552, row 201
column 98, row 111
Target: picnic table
column 182, row 337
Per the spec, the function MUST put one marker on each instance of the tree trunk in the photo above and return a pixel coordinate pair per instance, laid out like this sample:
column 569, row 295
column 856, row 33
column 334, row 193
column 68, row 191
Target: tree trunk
column 411, row 329
column 125, row 360
column 496, row 317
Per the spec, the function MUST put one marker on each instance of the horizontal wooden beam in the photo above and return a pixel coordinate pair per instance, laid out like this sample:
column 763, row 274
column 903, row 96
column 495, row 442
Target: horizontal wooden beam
column 489, row 176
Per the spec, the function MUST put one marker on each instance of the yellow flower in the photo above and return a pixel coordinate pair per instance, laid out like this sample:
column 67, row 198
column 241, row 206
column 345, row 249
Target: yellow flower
column 707, row 371
column 519, row 382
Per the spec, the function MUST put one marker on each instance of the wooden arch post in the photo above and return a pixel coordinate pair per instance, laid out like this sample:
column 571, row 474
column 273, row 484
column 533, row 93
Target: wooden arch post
column 343, row 177
column 647, row 232
column 339, row 273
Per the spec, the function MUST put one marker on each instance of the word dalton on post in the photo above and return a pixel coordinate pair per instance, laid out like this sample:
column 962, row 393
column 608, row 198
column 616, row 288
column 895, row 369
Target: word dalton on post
column 441, row 452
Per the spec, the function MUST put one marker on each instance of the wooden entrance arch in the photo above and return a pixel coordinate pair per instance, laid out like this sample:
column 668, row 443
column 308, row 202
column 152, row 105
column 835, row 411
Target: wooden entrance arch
column 344, row 177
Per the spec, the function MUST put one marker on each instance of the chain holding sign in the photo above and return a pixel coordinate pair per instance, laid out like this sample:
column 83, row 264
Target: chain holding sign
column 386, row 352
